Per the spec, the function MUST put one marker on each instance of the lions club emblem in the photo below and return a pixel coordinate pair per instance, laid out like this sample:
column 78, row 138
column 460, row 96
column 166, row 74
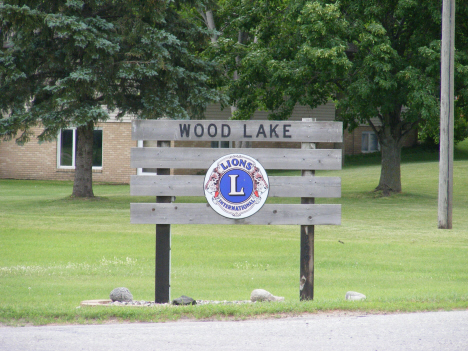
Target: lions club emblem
column 236, row 186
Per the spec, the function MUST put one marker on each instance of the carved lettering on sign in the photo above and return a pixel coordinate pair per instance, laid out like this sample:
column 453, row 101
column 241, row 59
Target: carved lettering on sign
column 245, row 132
column 199, row 130
column 225, row 130
column 261, row 130
column 286, row 131
column 213, row 130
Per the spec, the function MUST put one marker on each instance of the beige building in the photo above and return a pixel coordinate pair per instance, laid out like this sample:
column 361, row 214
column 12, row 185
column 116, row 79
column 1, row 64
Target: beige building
column 111, row 161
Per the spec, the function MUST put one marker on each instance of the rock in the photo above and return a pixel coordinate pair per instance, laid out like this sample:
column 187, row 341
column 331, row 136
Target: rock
column 354, row 296
column 184, row 300
column 121, row 295
column 263, row 295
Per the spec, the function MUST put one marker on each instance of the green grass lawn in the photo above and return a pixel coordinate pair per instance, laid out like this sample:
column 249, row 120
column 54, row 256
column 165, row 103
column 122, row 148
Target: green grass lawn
column 56, row 252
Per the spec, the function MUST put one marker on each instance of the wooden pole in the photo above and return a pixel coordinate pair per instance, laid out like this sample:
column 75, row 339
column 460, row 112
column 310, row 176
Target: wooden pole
column 163, row 246
column 307, row 241
column 446, row 115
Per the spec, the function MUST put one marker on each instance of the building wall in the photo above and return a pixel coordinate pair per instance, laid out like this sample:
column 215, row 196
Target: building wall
column 116, row 145
column 31, row 161
column 352, row 140
column 324, row 112
column 39, row 161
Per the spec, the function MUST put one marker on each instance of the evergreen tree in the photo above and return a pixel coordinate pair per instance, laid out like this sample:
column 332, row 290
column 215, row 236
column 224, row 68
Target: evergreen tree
column 70, row 62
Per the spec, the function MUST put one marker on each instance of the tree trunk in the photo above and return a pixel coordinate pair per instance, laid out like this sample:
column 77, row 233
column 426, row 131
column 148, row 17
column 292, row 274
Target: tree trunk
column 83, row 184
column 211, row 25
column 390, row 175
column 242, row 37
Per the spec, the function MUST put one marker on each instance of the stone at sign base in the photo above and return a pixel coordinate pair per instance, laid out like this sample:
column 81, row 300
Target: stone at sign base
column 121, row 295
column 354, row 296
column 263, row 295
column 184, row 300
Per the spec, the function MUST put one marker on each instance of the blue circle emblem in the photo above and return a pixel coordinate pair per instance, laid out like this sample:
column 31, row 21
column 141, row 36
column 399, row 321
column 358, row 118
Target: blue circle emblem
column 236, row 186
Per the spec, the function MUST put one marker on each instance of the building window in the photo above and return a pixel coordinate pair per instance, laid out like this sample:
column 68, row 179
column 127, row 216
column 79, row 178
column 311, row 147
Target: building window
column 220, row 144
column 66, row 150
column 97, row 148
column 147, row 171
column 369, row 142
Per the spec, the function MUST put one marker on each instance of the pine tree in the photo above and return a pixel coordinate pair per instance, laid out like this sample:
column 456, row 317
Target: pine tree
column 71, row 62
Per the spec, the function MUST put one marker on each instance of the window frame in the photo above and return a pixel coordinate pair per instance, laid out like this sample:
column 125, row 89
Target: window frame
column 368, row 150
column 59, row 149
column 102, row 148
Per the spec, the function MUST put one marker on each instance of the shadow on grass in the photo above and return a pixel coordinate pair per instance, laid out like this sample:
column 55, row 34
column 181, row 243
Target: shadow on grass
column 379, row 194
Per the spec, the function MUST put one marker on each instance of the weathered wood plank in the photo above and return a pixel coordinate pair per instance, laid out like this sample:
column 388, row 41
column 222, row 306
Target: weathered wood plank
column 190, row 158
column 272, row 131
column 270, row 214
column 192, row 185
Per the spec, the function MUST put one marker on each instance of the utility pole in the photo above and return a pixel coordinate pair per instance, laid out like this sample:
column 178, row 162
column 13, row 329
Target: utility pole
column 446, row 115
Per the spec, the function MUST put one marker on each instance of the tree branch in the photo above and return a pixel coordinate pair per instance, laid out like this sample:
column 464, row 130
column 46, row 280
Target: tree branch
column 381, row 117
column 400, row 28
column 412, row 126
column 372, row 125
column 203, row 16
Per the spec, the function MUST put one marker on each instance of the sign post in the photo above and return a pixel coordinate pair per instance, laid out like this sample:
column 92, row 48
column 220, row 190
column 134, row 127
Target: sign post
column 307, row 242
column 162, row 273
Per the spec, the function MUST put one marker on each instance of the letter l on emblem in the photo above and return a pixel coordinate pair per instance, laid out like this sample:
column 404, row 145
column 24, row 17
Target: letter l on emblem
column 234, row 191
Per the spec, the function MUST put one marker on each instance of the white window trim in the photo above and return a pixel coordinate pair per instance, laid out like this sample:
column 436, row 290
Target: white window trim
column 140, row 170
column 59, row 149
column 369, row 133
column 59, row 146
column 102, row 150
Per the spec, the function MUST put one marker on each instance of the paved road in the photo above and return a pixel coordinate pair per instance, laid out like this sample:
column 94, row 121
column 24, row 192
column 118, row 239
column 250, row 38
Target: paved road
column 416, row 331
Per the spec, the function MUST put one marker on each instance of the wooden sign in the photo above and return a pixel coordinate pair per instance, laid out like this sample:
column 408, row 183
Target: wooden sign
column 163, row 213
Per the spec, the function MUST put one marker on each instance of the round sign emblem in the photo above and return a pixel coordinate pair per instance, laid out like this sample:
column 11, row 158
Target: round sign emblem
column 236, row 186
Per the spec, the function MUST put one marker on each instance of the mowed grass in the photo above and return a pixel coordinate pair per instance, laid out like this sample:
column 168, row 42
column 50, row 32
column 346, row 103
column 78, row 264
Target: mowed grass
column 56, row 252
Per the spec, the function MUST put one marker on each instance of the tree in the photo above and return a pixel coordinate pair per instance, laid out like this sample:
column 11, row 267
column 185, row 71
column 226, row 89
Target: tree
column 70, row 62
column 380, row 60
column 210, row 13
column 395, row 76
column 281, row 53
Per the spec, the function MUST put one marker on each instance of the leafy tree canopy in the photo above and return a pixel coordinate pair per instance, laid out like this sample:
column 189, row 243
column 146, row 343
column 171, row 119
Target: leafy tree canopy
column 395, row 77
column 394, row 82
column 379, row 60
column 282, row 52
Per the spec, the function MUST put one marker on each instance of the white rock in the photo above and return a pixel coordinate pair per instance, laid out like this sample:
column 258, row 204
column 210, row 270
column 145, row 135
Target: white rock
column 263, row 295
column 354, row 296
